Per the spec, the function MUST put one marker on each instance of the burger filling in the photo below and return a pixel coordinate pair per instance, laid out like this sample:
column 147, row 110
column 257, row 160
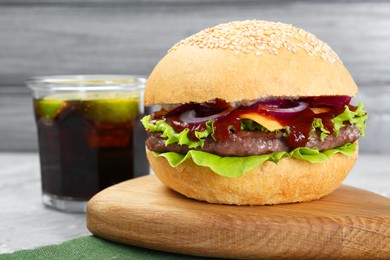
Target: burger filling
column 309, row 128
column 245, row 143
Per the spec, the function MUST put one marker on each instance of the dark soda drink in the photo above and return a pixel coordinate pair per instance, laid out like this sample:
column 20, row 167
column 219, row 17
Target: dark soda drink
column 88, row 142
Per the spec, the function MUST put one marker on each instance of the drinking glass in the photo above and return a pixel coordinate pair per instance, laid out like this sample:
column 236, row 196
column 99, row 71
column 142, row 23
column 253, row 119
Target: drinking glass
column 89, row 135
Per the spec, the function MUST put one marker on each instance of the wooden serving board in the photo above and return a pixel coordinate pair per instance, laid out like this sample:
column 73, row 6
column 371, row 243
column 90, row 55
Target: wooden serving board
column 349, row 223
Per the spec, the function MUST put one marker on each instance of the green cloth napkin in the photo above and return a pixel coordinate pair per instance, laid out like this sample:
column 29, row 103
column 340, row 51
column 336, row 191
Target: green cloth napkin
column 91, row 247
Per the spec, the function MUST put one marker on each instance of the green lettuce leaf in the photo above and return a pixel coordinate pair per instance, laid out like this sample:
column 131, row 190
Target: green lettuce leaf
column 174, row 137
column 247, row 124
column 237, row 166
column 317, row 123
column 357, row 118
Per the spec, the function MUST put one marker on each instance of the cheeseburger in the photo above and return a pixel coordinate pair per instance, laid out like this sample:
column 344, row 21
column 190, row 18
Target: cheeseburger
column 252, row 113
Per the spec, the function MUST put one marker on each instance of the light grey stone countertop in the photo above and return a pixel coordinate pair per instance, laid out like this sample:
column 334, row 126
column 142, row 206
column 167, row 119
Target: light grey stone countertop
column 26, row 223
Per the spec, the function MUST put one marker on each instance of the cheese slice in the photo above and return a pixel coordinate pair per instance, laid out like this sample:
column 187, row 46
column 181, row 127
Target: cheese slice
column 272, row 124
column 319, row 110
column 269, row 123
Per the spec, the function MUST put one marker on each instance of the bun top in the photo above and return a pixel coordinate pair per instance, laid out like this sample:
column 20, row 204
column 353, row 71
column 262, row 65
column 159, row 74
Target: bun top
column 248, row 60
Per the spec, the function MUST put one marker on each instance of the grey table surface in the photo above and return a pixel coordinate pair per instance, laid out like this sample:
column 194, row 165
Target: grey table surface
column 25, row 223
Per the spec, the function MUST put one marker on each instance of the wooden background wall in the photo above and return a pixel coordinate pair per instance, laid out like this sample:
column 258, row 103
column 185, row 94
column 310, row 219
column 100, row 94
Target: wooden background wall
column 130, row 36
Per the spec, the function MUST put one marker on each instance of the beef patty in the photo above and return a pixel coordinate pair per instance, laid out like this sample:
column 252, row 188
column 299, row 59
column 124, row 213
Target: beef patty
column 246, row 143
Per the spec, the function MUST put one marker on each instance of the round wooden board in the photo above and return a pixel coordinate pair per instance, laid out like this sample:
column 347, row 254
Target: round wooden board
column 349, row 223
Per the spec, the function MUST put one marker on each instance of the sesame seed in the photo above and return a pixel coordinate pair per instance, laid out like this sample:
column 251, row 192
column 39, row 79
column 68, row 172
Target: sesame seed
column 259, row 38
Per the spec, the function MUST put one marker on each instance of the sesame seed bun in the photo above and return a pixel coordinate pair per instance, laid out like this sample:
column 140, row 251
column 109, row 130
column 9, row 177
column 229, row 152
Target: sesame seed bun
column 248, row 60
column 288, row 181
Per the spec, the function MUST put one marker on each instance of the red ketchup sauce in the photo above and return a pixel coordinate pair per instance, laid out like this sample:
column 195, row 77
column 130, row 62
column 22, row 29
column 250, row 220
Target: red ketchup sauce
column 300, row 123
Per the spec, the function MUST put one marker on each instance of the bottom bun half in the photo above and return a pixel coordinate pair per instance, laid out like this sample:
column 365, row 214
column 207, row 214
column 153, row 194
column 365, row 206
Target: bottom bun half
column 290, row 180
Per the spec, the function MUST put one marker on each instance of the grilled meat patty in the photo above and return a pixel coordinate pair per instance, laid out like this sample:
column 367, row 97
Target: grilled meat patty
column 246, row 143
